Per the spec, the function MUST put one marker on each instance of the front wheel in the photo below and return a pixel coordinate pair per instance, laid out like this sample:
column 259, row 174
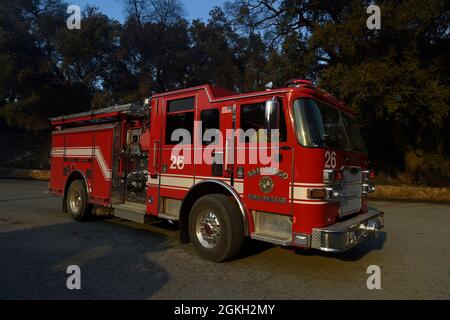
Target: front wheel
column 77, row 201
column 216, row 227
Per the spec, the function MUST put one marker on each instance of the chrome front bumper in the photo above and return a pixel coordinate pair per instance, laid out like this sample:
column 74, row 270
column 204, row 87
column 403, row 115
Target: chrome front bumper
column 343, row 235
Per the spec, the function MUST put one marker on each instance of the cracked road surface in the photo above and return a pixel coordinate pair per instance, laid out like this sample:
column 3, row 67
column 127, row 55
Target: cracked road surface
column 125, row 260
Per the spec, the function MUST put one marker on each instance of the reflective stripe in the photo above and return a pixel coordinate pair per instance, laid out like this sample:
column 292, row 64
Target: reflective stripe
column 174, row 188
column 239, row 187
column 177, row 182
column 185, row 181
column 300, row 193
column 314, row 202
column 87, row 153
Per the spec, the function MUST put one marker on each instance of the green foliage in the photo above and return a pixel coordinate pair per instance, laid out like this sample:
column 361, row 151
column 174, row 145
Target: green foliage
column 396, row 78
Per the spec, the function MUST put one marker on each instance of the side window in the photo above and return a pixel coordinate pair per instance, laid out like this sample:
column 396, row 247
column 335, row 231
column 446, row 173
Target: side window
column 180, row 115
column 186, row 104
column 253, row 118
column 210, row 121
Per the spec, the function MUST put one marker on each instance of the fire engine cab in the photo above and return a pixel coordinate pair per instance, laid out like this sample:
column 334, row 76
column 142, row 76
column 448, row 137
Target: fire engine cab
column 311, row 194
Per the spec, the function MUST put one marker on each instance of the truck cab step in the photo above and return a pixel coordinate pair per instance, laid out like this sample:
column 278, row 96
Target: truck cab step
column 272, row 238
column 132, row 211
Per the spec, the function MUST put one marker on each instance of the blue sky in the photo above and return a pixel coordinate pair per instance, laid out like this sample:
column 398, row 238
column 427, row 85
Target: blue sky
column 115, row 8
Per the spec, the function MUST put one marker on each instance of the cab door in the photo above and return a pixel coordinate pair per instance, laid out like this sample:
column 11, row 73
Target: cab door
column 267, row 172
column 177, row 156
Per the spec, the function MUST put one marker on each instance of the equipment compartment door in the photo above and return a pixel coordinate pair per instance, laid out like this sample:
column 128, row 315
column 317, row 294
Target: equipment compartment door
column 118, row 182
column 154, row 158
column 102, row 166
column 57, row 163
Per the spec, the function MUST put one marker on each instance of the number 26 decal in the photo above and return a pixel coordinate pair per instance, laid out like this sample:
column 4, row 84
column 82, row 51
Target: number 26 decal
column 330, row 159
column 177, row 162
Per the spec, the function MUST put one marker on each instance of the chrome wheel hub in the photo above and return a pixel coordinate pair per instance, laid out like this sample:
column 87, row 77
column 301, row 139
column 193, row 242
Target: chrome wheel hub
column 75, row 201
column 207, row 228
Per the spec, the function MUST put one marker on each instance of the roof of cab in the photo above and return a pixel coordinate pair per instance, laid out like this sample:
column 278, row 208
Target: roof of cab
column 217, row 94
column 214, row 94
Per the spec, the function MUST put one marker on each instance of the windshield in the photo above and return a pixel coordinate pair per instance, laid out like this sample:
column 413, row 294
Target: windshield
column 320, row 125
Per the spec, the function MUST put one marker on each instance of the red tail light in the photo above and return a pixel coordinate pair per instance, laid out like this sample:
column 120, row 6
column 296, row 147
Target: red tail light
column 368, row 174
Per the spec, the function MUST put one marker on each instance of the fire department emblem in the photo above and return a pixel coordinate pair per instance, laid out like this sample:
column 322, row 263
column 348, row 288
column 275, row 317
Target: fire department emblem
column 266, row 184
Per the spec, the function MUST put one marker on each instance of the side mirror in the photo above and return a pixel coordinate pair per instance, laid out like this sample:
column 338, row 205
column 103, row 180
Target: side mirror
column 147, row 108
column 272, row 114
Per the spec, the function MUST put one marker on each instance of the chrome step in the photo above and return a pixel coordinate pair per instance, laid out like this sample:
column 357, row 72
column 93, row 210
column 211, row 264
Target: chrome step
column 281, row 241
column 132, row 211
column 273, row 228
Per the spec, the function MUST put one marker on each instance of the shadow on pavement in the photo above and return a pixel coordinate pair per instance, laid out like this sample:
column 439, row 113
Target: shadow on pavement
column 115, row 264
column 252, row 248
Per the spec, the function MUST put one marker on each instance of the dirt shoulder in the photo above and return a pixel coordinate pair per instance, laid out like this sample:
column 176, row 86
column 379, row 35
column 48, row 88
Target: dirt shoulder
column 411, row 193
column 43, row 175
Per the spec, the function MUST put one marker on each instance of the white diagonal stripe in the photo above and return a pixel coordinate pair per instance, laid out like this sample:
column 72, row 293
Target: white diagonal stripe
column 85, row 152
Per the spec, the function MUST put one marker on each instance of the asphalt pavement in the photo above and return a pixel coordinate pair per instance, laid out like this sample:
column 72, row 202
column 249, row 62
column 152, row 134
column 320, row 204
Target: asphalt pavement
column 125, row 260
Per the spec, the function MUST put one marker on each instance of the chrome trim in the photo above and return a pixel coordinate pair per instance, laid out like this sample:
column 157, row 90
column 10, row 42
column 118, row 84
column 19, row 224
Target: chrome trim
column 368, row 187
column 350, row 212
column 365, row 175
column 274, row 240
column 331, row 193
column 207, row 229
column 335, row 238
column 328, row 175
column 306, row 239
column 233, row 193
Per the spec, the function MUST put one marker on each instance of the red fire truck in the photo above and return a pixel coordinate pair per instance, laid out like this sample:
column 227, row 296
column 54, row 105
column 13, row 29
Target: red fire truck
column 312, row 195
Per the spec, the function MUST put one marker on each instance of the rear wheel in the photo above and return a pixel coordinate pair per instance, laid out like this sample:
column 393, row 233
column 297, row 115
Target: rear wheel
column 77, row 201
column 216, row 227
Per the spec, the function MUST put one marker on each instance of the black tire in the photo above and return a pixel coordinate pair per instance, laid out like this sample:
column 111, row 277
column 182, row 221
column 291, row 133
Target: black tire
column 230, row 227
column 80, row 210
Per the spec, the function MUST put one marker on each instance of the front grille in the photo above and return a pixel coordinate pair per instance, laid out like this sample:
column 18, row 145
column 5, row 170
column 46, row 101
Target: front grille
column 349, row 206
column 351, row 190
column 352, row 174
